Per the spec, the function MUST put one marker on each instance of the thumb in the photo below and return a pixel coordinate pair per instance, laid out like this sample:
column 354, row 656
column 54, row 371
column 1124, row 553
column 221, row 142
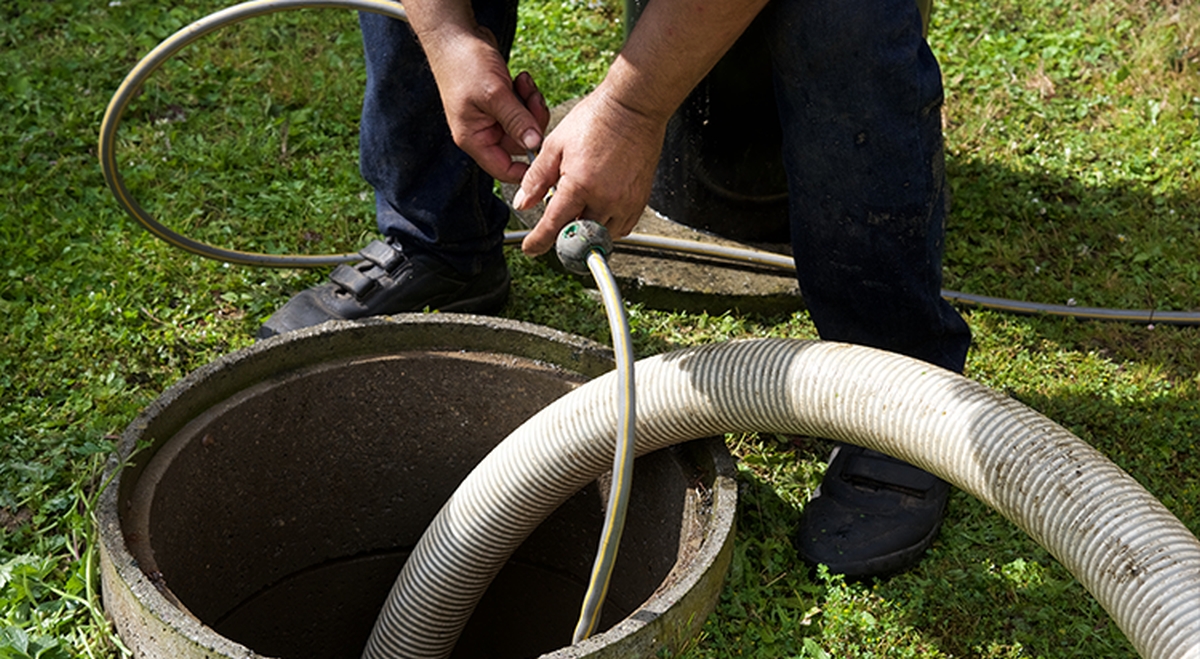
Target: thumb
column 541, row 176
column 517, row 121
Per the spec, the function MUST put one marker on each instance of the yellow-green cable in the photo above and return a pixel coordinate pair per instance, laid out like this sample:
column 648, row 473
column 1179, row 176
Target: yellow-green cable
column 622, row 473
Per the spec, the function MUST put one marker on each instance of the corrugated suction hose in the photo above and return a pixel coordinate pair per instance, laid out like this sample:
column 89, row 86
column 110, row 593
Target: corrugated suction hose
column 1125, row 547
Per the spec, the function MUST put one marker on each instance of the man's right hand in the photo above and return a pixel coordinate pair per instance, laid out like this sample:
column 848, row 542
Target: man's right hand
column 492, row 117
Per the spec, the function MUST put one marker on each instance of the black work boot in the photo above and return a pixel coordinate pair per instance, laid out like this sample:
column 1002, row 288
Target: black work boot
column 872, row 516
column 389, row 282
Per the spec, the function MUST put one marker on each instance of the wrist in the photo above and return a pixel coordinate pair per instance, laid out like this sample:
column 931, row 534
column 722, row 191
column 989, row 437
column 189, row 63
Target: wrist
column 627, row 90
column 448, row 38
column 439, row 24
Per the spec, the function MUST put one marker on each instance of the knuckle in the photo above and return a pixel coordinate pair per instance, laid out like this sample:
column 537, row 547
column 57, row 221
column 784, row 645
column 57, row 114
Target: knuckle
column 492, row 91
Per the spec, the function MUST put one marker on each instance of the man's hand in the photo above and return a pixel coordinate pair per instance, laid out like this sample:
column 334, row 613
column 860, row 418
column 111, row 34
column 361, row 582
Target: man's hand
column 601, row 161
column 603, row 155
column 492, row 117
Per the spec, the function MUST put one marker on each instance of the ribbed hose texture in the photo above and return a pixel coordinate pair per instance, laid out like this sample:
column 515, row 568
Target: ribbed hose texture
column 1125, row 547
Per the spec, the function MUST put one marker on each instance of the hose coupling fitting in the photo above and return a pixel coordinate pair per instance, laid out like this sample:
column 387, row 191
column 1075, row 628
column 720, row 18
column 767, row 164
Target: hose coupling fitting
column 579, row 239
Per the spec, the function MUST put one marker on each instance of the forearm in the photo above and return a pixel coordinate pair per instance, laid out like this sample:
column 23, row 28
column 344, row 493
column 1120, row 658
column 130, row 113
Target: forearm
column 446, row 30
column 603, row 154
column 435, row 21
column 490, row 114
column 673, row 46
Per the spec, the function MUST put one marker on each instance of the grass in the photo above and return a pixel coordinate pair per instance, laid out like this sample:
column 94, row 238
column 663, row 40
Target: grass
column 1072, row 131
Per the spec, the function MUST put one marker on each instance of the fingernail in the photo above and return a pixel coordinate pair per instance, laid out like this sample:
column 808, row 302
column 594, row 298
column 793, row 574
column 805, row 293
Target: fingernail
column 531, row 139
column 519, row 199
column 528, row 249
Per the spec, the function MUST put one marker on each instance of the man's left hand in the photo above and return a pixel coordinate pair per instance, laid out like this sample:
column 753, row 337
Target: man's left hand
column 600, row 161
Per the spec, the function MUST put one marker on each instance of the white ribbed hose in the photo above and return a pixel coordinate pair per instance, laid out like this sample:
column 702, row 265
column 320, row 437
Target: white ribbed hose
column 1125, row 547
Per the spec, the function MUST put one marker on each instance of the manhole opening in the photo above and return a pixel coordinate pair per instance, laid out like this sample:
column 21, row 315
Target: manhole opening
column 280, row 516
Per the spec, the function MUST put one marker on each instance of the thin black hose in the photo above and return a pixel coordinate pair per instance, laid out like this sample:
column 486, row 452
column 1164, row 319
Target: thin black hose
column 784, row 262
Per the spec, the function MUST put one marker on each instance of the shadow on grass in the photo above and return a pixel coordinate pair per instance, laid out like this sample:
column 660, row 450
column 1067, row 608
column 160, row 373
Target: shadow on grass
column 1043, row 237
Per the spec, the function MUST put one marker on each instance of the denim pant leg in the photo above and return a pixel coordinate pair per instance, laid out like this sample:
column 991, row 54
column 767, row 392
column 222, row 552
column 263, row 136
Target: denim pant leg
column 860, row 95
column 430, row 197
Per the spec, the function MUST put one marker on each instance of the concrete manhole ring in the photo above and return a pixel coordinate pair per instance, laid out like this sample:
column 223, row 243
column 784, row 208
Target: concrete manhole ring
column 280, row 488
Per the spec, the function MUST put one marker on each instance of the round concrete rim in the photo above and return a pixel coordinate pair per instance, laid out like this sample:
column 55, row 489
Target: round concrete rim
column 671, row 616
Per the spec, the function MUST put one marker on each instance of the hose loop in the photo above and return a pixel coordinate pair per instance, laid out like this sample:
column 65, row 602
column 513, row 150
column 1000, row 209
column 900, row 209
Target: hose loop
column 137, row 77
column 132, row 84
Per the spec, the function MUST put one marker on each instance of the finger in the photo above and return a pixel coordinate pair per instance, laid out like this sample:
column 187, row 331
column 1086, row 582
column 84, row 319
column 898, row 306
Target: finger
column 516, row 120
column 498, row 163
column 619, row 228
column 561, row 209
column 532, row 97
column 512, row 147
column 539, row 178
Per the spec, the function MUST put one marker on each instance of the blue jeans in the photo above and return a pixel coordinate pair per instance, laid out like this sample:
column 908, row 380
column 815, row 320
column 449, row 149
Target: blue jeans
column 859, row 97
column 430, row 197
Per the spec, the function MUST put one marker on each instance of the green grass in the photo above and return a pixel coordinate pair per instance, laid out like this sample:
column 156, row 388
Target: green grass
column 1072, row 131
